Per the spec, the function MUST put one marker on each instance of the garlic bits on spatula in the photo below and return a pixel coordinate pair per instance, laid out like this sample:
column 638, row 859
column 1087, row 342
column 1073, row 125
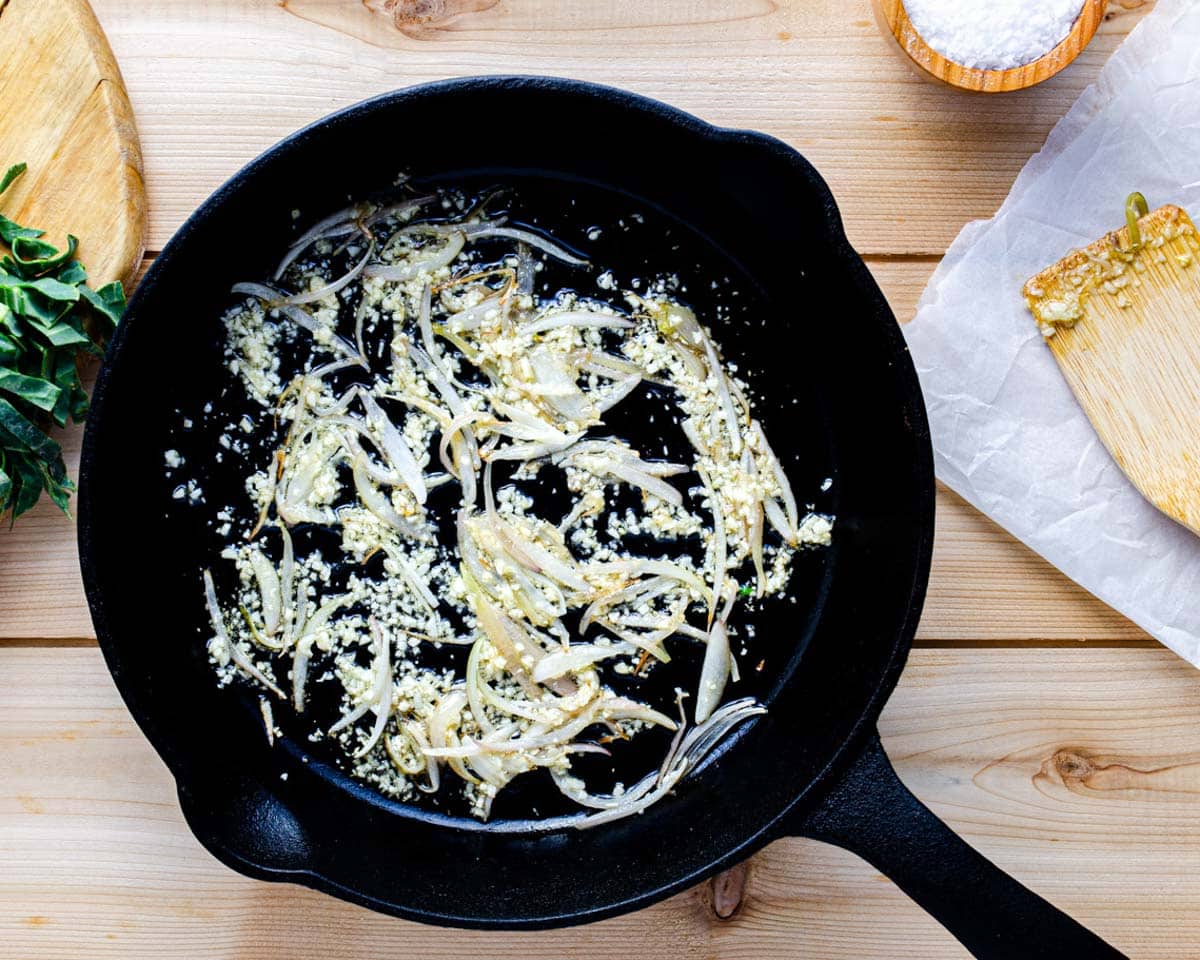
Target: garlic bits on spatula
column 1122, row 318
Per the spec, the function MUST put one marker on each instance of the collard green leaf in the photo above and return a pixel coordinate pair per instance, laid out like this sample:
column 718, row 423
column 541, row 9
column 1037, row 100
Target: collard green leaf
column 72, row 399
column 79, row 403
column 46, row 300
column 27, row 483
column 57, row 487
column 27, row 250
column 53, row 289
column 11, row 174
column 8, row 321
column 64, row 333
column 10, row 231
column 36, row 391
column 25, row 435
column 73, row 273
column 108, row 301
column 37, row 257
column 10, row 351
column 44, row 328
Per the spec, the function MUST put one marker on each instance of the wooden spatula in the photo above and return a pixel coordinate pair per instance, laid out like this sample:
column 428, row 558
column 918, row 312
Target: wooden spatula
column 66, row 114
column 1122, row 318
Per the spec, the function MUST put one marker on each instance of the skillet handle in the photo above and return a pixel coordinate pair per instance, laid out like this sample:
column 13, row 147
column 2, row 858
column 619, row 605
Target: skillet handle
column 869, row 812
column 247, row 828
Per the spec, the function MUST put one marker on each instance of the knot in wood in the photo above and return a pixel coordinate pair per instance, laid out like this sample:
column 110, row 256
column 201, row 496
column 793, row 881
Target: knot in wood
column 1072, row 765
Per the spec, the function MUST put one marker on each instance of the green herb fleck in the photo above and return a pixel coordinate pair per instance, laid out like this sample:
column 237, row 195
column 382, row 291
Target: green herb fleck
column 745, row 590
column 49, row 321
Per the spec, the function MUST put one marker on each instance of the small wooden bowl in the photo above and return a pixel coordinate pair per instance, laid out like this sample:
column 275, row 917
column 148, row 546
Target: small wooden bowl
column 893, row 20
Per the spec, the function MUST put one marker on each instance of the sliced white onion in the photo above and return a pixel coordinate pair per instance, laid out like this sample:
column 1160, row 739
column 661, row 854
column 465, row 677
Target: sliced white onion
column 383, row 701
column 611, row 708
column 379, row 697
column 444, row 718
column 258, row 290
column 652, row 485
column 443, row 386
column 777, row 519
column 411, row 577
column 287, row 571
column 579, row 319
column 236, row 654
column 303, row 318
column 580, row 655
column 269, row 589
column 336, row 286
column 619, row 392
column 714, row 673
column 306, row 637
column 346, row 217
column 785, row 488
column 695, row 747
column 755, row 534
column 395, row 449
column 537, row 558
column 379, row 503
column 398, row 211
column 484, row 231
column 720, row 544
column 411, row 268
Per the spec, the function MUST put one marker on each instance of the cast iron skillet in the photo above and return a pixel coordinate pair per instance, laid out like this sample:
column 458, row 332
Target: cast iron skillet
column 839, row 398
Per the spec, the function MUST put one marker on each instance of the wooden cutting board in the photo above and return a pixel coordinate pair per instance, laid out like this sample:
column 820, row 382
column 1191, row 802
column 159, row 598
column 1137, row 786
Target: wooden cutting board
column 64, row 111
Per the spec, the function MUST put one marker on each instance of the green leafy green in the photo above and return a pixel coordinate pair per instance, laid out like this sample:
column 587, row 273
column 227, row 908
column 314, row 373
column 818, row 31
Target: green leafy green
column 11, row 174
column 49, row 320
column 41, row 393
column 10, row 231
column 37, row 257
column 108, row 301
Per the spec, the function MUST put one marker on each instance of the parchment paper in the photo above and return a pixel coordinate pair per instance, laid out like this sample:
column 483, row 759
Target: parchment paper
column 1008, row 434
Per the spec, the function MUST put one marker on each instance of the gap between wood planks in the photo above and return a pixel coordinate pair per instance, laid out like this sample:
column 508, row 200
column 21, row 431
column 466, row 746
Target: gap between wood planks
column 1080, row 775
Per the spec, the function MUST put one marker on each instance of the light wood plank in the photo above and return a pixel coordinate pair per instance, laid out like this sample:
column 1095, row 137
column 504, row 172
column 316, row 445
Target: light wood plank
column 215, row 83
column 902, row 281
column 1079, row 771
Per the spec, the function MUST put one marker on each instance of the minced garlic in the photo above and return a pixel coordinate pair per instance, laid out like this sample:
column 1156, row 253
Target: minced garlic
column 464, row 367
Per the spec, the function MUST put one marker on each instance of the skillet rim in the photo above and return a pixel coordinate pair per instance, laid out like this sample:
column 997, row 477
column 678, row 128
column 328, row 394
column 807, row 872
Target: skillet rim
column 839, row 250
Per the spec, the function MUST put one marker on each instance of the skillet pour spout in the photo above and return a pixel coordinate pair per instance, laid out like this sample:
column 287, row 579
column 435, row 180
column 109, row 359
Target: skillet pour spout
column 837, row 394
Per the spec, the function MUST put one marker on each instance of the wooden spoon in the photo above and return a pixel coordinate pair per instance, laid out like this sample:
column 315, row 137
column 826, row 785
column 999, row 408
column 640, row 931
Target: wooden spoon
column 1122, row 318
column 893, row 20
column 65, row 113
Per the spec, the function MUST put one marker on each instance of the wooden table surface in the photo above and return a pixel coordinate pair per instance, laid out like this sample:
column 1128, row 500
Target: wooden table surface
column 1047, row 729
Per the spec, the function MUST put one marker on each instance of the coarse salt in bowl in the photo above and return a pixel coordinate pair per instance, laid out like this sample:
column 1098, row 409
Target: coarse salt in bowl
column 993, row 34
column 991, row 45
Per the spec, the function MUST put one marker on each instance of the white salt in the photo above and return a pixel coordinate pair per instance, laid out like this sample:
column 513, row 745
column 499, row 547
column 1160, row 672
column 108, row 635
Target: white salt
column 993, row 34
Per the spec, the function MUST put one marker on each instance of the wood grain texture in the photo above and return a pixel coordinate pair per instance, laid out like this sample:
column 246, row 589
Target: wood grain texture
column 1077, row 769
column 894, row 21
column 67, row 115
column 1125, row 330
column 215, row 83
column 1081, row 777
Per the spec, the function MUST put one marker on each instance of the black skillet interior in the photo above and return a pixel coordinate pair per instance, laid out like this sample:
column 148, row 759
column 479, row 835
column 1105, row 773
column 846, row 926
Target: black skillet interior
column 836, row 392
